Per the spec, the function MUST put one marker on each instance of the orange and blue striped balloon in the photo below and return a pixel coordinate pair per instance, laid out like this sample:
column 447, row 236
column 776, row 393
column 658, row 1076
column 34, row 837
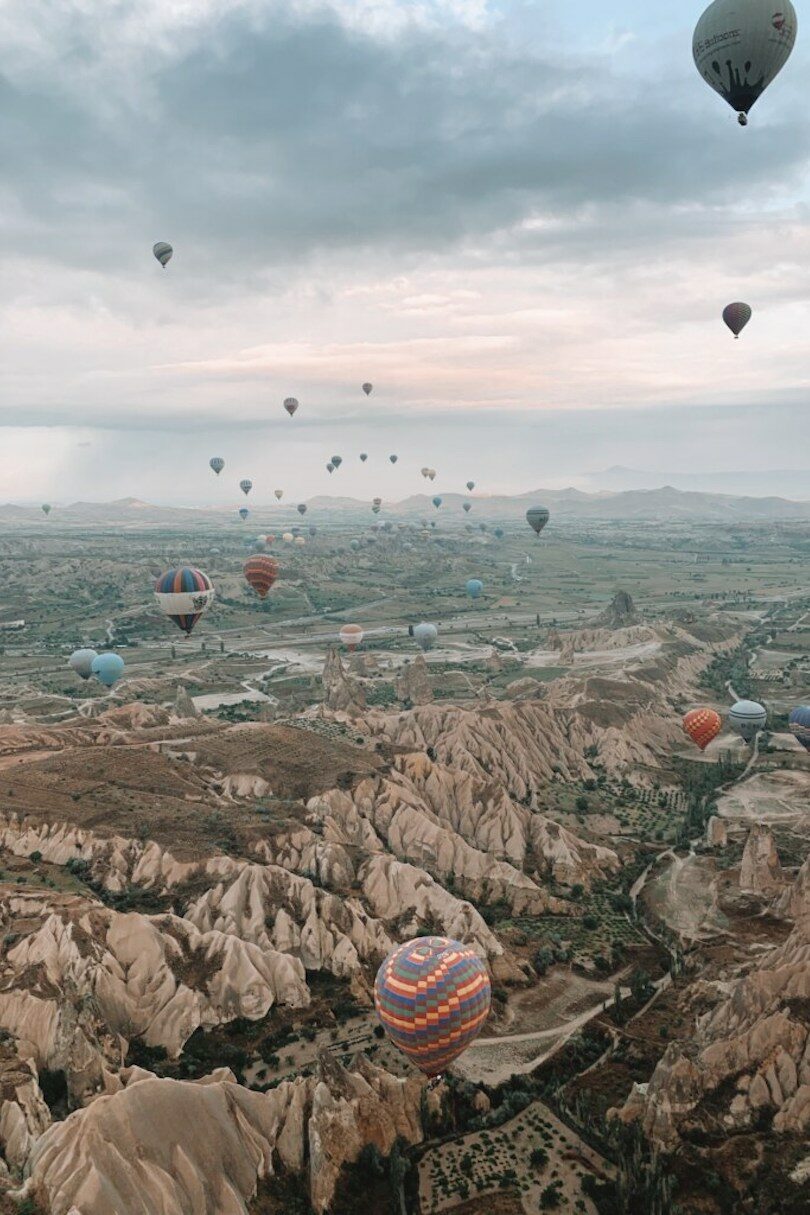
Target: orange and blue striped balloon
column 432, row 997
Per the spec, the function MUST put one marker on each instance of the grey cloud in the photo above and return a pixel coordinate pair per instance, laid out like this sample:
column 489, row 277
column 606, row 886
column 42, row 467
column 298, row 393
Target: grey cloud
column 269, row 141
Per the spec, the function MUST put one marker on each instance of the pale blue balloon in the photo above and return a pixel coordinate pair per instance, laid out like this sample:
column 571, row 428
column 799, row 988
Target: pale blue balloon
column 108, row 668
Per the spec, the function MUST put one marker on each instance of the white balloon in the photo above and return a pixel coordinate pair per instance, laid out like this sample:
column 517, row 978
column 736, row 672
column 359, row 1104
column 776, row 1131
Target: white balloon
column 740, row 46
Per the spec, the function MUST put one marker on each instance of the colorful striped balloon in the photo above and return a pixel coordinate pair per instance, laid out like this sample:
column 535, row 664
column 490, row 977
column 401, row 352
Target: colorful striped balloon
column 183, row 595
column 261, row 573
column 432, row 997
column 702, row 726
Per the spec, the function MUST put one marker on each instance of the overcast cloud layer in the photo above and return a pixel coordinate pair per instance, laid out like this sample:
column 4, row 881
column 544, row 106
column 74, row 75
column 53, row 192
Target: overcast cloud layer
column 502, row 215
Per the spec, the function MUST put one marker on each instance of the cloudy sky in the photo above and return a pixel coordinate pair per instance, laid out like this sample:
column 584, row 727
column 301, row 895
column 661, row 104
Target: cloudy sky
column 520, row 221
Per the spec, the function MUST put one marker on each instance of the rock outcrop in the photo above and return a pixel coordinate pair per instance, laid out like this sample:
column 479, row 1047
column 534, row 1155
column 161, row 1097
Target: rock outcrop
column 760, row 871
column 620, row 613
column 341, row 692
column 413, row 685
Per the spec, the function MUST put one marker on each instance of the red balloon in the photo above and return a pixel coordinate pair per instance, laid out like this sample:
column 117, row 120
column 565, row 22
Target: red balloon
column 261, row 573
column 702, row 726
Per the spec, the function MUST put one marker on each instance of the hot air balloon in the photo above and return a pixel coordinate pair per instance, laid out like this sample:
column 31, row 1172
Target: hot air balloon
column 217, row 463
column 393, row 459
column 183, row 594
column 330, row 468
column 301, row 508
column 312, row 530
column 300, row 541
column 375, row 508
column 467, row 507
column 799, row 722
column 425, row 635
column 537, row 518
column 737, row 317
column 475, row 588
column 354, row 545
column 470, row 486
column 702, row 726
column 425, row 473
column 367, row 389
column 278, row 494
column 377, row 501
column 243, row 513
column 261, row 573
column 437, row 502
column 246, row 486
column 46, row 509
column 363, row 456
column 351, row 635
column 431, row 474
column 499, row 532
column 337, row 461
column 81, row 661
column 163, row 252
column 432, row 997
column 107, row 668
column 747, row 718
column 740, row 46
column 288, row 537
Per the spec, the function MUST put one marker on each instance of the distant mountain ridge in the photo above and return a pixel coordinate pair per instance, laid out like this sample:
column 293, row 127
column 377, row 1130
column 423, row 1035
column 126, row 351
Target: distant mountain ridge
column 793, row 483
column 664, row 503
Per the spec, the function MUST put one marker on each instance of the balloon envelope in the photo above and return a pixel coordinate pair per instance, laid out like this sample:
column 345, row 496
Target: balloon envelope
column 183, row 594
column 393, row 459
column 46, row 508
column 81, row 661
column 800, row 725
column 217, row 463
column 301, row 508
column 163, row 252
column 747, row 718
column 243, row 513
column 470, row 486
column 702, row 726
column 475, row 588
column 367, row 389
column 261, row 573
column 740, row 46
column 291, row 404
column 425, row 635
column 351, row 635
column 537, row 517
column 108, row 668
column 737, row 317
column 337, row 461
column 278, row 494
column 363, row 456
column 437, row 502
column 246, row 486
column 432, row 997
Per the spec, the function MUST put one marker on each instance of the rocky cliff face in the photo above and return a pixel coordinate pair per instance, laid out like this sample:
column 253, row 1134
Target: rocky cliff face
column 178, row 1146
column 749, row 1056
